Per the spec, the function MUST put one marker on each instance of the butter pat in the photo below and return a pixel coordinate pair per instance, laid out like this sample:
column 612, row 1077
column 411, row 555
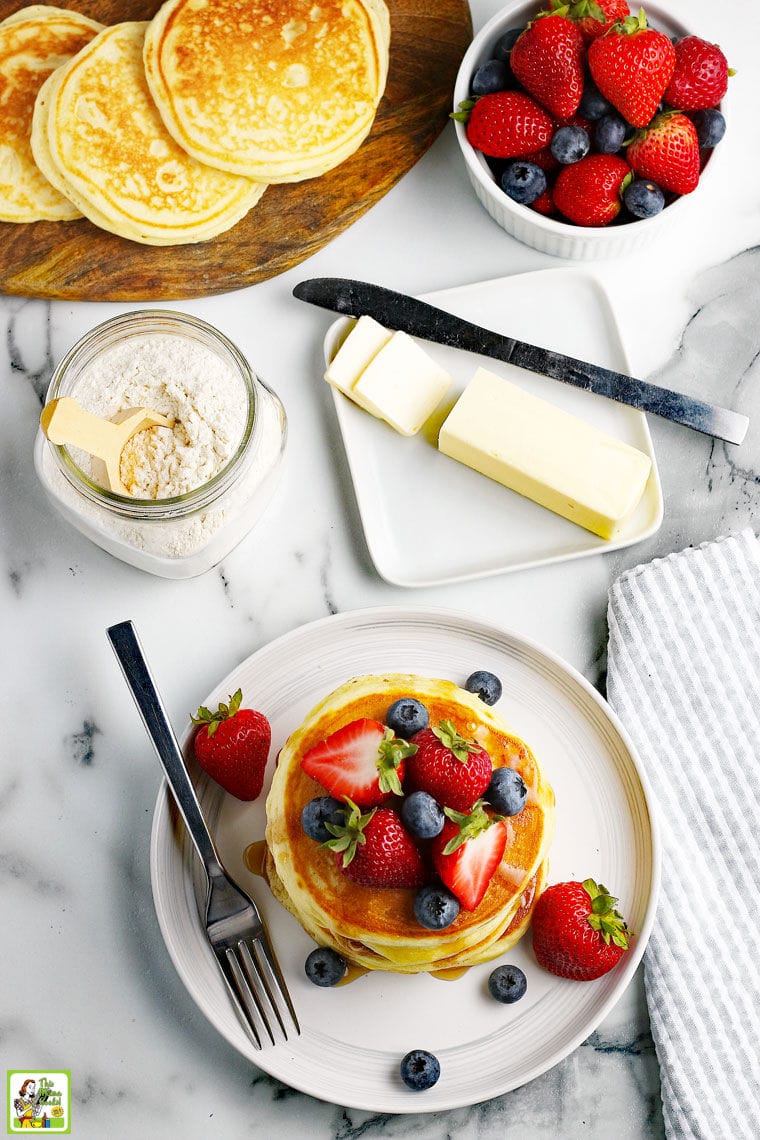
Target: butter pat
column 402, row 385
column 546, row 454
column 363, row 343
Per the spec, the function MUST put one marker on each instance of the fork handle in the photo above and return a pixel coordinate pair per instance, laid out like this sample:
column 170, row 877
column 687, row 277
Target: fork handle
column 126, row 646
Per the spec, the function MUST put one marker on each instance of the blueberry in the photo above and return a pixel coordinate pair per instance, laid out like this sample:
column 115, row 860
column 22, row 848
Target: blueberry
column 570, row 144
column 435, row 907
column 506, row 42
column 420, row 1070
column 318, row 812
column 485, row 685
column 643, row 199
column 507, row 984
column 492, row 76
column 593, row 104
column 325, row 967
column 523, row 182
column 407, row 716
column 506, row 792
column 422, row 815
column 609, row 134
column 711, row 127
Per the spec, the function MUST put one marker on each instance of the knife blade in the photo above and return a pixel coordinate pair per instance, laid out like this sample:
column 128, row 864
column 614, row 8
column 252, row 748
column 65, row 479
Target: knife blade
column 418, row 318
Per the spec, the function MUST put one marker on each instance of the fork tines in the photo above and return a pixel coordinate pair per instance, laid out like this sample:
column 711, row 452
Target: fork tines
column 258, row 990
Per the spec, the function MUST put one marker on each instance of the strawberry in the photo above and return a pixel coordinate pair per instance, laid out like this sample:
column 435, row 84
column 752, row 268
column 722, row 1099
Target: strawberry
column 588, row 192
column 595, row 17
column 700, row 79
column 362, row 761
column 548, row 61
column 632, row 64
column 544, row 204
column 667, row 152
column 468, row 851
column 232, row 746
column 508, row 124
column 576, row 932
column 376, row 850
column 453, row 770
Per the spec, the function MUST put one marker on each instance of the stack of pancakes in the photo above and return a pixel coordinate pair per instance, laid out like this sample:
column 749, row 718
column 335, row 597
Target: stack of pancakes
column 167, row 132
column 376, row 929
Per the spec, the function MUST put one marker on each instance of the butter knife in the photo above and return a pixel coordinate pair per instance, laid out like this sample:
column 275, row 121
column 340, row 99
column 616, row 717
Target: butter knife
column 418, row 318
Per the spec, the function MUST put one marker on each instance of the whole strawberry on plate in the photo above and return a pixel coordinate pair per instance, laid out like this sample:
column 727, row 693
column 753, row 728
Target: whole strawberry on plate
column 232, row 746
column 632, row 65
column 548, row 60
column 577, row 933
column 374, row 849
column 455, row 771
column 667, row 152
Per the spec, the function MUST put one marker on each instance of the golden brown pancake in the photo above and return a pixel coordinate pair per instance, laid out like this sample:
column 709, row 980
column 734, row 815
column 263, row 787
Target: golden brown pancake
column 33, row 42
column 376, row 928
column 277, row 90
column 98, row 137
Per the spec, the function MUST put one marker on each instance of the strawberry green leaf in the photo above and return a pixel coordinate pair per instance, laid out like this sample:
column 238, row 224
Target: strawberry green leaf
column 470, row 824
column 450, row 738
column 349, row 834
column 391, row 752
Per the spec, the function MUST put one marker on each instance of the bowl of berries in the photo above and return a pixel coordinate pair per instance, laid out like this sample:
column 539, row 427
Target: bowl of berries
column 586, row 127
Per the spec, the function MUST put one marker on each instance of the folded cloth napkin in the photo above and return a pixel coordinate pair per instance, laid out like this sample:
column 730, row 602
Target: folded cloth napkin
column 684, row 677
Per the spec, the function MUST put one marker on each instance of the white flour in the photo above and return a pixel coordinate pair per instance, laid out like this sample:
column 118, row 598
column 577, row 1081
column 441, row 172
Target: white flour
column 209, row 401
column 179, row 378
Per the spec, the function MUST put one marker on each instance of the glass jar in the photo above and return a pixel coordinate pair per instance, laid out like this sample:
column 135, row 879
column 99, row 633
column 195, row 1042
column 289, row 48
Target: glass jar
column 186, row 534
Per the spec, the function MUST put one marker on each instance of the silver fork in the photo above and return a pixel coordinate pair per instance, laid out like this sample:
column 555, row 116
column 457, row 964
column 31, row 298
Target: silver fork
column 233, row 924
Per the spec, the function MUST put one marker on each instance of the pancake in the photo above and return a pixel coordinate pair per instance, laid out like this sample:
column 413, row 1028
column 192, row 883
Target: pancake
column 375, row 928
column 277, row 90
column 97, row 136
column 33, row 42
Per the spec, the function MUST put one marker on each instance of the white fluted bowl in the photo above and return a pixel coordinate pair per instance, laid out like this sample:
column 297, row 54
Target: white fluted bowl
column 550, row 235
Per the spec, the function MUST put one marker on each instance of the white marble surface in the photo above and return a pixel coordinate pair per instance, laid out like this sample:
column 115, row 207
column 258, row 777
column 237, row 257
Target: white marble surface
column 87, row 984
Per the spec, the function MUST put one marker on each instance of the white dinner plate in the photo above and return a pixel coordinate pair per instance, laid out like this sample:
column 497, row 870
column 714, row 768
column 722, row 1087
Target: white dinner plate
column 429, row 520
column 354, row 1037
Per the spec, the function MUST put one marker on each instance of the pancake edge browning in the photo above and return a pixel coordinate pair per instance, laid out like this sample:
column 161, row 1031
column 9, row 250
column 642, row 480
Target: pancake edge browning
column 32, row 197
column 48, row 130
column 290, row 164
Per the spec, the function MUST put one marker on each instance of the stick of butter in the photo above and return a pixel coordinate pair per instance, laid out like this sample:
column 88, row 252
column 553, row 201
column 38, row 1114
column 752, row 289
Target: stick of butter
column 545, row 453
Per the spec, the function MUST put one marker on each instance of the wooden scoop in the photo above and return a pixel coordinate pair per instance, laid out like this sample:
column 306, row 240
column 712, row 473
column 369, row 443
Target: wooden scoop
column 65, row 421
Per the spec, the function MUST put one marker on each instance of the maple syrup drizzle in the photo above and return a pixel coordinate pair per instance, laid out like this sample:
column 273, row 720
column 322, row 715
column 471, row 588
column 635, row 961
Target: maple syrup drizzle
column 449, row 975
column 254, row 856
column 353, row 971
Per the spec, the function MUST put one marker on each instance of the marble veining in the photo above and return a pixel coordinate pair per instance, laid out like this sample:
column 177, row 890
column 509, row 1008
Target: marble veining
column 88, row 984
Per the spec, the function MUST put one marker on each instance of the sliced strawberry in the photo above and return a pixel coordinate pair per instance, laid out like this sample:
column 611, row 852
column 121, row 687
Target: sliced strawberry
column 468, row 851
column 376, row 850
column 363, row 761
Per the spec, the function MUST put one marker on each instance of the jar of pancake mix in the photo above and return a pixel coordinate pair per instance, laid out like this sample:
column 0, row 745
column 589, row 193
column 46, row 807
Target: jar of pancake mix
column 190, row 491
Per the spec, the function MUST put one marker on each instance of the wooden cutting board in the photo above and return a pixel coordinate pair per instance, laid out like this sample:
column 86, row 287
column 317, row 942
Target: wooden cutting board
column 78, row 261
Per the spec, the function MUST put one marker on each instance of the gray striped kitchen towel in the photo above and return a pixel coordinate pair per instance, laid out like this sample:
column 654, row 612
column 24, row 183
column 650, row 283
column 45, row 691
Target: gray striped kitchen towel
column 684, row 677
